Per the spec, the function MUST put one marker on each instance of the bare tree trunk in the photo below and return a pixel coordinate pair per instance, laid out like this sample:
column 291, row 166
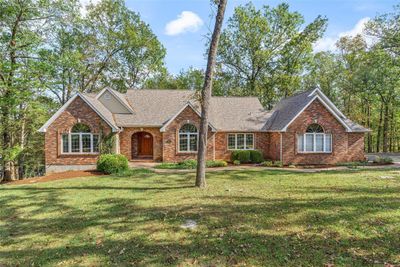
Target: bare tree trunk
column 386, row 128
column 206, row 96
column 378, row 137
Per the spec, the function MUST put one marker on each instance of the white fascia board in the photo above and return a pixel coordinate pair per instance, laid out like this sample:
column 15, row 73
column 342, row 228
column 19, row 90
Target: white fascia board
column 43, row 129
column 56, row 115
column 116, row 96
column 113, row 127
column 188, row 104
column 326, row 106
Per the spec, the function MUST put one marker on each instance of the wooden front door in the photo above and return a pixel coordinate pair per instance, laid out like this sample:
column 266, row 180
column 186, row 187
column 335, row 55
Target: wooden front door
column 145, row 144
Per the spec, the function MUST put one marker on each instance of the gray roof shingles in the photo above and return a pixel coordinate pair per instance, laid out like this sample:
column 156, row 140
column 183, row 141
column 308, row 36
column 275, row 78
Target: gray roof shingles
column 156, row 107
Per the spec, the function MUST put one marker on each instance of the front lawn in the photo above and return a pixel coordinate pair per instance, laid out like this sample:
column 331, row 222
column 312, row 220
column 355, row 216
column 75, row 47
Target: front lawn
column 273, row 218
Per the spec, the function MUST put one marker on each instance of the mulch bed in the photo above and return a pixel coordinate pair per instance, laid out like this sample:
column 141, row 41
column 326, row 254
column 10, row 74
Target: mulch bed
column 56, row 176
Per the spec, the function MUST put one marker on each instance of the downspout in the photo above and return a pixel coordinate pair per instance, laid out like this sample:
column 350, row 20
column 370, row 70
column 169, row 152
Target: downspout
column 214, row 146
column 280, row 152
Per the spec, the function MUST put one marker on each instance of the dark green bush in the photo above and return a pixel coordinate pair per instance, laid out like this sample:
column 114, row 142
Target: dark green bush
column 256, row 156
column 112, row 163
column 216, row 163
column 242, row 155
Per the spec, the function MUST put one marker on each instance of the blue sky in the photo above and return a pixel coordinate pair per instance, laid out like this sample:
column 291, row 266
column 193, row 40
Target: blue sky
column 185, row 39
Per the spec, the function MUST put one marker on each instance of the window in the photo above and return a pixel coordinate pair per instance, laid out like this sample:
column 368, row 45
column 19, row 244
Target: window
column 188, row 138
column 314, row 140
column 80, row 140
column 240, row 141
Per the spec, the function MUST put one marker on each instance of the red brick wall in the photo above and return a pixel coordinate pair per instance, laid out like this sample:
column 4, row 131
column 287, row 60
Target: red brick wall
column 125, row 139
column 272, row 148
column 77, row 110
column 345, row 146
column 221, row 144
column 170, row 142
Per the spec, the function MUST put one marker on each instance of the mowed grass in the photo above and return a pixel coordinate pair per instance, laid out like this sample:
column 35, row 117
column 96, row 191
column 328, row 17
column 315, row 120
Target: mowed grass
column 268, row 218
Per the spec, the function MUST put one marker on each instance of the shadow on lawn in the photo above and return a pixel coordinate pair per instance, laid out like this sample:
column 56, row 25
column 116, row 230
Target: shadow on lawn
column 232, row 229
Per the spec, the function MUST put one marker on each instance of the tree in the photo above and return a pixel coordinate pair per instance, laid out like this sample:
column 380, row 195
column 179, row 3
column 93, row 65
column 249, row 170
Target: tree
column 206, row 96
column 265, row 52
column 23, row 27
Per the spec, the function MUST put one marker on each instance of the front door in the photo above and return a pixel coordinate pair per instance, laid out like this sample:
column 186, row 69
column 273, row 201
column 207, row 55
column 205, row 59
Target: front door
column 145, row 145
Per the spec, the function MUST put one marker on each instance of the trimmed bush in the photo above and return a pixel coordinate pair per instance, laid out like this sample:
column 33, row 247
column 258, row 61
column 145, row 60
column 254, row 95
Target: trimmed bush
column 112, row 163
column 236, row 162
column 216, row 163
column 242, row 155
column 256, row 156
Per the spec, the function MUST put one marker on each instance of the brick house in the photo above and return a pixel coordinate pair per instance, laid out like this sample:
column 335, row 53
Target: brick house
column 162, row 125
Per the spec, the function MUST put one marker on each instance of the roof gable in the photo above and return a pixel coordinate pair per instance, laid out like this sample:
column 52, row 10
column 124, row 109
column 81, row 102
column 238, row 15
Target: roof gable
column 187, row 105
column 114, row 101
column 101, row 113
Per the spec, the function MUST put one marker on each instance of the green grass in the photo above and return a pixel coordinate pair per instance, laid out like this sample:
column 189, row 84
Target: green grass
column 274, row 218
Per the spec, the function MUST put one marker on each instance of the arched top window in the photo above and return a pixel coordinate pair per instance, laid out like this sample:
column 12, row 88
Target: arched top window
column 188, row 138
column 314, row 128
column 80, row 128
column 188, row 128
column 314, row 140
column 80, row 140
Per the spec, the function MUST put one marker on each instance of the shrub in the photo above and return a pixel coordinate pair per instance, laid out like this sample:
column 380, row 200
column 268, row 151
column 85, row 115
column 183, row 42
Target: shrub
column 383, row 160
column 267, row 163
column 216, row 163
column 256, row 156
column 278, row 163
column 242, row 155
column 236, row 162
column 188, row 164
column 112, row 163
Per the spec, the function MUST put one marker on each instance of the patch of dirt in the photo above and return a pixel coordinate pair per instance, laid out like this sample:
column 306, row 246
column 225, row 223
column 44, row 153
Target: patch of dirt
column 56, row 176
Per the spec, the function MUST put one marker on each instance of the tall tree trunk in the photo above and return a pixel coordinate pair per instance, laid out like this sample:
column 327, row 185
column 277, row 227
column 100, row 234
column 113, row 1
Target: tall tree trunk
column 386, row 128
column 206, row 96
column 378, row 137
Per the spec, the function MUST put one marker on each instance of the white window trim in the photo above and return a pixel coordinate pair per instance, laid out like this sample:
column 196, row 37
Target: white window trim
column 314, row 144
column 245, row 141
column 188, row 142
column 80, row 144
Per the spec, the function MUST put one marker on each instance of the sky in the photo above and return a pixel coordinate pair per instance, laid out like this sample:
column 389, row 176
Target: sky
column 181, row 25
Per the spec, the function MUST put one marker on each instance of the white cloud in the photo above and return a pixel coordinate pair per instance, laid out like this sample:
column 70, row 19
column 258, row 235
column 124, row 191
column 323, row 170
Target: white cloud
column 329, row 42
column 186, row 21
column 85, row 3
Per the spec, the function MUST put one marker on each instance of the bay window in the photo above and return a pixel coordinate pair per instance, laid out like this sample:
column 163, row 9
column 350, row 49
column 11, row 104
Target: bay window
column 240, row 141
column 80, row 140
column 314, row 140
column 188, row 138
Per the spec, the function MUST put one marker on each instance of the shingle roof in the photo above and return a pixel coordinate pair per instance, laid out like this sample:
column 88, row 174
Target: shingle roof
column 91, row 98
column 156, row 107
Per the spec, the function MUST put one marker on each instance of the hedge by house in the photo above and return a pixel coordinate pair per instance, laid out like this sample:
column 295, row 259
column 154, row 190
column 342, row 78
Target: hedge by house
column 247, row 156
column 112, row 163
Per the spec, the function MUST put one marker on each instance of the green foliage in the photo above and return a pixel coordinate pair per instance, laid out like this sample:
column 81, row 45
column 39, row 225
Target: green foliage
column 191, row 164
column 107, row 143
column 256, row 156
column 298, row 216
column 264, row 52
column 112, row 163
column 383, row 160
column 236, row 162
column 216, row 163
column 270, row 163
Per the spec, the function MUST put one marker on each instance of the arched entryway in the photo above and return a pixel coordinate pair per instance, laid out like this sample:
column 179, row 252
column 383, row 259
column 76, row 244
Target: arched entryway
column 142, row 145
